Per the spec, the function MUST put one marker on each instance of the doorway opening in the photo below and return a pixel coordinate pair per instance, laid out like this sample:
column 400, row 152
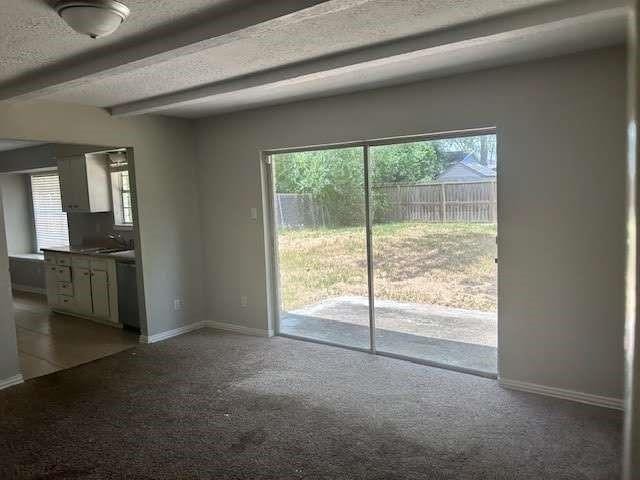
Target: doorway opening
column 70, row 225
column 390, row 247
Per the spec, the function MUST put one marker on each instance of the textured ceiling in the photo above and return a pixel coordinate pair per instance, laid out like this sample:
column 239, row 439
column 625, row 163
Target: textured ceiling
column 34, row 37
column 176, row 46
column 419, row 66
column 37, row 39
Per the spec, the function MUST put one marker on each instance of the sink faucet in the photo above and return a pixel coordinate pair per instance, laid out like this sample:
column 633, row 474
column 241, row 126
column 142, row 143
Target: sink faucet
column 116, row 237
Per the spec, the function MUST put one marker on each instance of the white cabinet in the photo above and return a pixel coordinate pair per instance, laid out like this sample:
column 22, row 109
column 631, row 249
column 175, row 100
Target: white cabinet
column 84, row 183
column 100, row 293
column 51, row 278
column 82, row 290
column 82, row 285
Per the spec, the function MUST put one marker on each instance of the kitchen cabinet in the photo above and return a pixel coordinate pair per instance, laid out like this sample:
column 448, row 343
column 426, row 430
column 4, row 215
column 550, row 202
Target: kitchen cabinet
column 83, row 286
column 51, row 280
column 84, row 183
column 100, row 293
column 82, row 290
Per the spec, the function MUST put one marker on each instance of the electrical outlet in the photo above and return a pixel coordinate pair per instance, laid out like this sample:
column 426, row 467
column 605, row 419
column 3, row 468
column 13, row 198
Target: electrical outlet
column 244, row 301
column 177, row 304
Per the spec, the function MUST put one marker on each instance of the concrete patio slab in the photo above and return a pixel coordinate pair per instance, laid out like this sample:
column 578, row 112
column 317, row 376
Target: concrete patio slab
column 460, row 338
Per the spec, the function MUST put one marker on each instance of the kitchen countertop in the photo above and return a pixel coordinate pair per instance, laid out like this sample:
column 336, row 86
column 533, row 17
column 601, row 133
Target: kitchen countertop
column 124, row 256
column 30, row 257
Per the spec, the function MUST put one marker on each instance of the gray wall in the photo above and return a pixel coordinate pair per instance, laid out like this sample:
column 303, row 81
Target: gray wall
column 561, row 127
column 169, row 230
column 9, row 366
column 16, row 201
column 29, row 273
column 18, row 219
column 30, row 158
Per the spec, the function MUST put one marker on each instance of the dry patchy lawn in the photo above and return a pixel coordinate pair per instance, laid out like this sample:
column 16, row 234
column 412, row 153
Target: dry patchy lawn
column 441, row 264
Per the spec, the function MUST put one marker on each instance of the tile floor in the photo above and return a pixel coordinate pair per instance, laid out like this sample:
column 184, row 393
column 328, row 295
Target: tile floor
column 48, row 341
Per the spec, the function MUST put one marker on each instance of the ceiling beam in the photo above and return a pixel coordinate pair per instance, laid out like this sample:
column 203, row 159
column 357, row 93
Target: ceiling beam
column 476, row 34
column 224, row 28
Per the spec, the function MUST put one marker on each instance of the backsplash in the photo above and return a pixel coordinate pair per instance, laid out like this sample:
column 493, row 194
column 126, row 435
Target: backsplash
column 92, row 228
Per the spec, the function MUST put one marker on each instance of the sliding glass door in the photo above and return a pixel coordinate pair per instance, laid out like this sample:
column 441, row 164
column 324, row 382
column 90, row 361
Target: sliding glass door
column 319, row 217
column 434, row 248
column 390, row 247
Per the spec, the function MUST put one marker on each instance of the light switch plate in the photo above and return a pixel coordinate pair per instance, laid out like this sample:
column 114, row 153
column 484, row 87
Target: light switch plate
column 254, row 213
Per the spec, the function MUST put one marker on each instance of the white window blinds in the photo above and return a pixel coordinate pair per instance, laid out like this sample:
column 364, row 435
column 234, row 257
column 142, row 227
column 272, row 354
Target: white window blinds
column 50, row 221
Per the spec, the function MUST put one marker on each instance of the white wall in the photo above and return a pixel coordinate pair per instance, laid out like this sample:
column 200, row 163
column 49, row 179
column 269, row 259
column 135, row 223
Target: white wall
column 167, row 202
column 561, row 126
column 16, row 201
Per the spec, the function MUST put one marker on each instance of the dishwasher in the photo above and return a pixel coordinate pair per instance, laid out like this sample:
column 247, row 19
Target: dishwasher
column 128, row 295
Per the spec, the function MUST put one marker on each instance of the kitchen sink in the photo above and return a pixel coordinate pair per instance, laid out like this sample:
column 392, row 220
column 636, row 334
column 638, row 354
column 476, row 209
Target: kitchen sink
column 89, row 249
column 102, row 250
column 109, row 250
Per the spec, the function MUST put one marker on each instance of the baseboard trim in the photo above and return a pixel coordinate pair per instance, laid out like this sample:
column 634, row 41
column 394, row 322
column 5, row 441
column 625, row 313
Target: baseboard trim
column 171, row 333
column 230, row 327
column 11, row 381
column 597, row 400
column 28, row 289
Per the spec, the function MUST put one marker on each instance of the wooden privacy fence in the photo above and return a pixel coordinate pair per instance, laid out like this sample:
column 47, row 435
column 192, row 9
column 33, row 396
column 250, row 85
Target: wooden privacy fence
column 440, row 202
column 464, row 202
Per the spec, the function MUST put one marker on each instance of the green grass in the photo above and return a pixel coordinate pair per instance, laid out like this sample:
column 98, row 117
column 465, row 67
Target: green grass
column 442, row 264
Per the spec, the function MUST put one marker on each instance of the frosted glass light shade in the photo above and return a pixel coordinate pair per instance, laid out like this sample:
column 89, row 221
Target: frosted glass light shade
column 96, row 18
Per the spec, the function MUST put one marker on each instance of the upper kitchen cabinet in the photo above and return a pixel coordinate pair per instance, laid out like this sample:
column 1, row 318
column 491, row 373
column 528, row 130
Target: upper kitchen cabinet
column 84, row 183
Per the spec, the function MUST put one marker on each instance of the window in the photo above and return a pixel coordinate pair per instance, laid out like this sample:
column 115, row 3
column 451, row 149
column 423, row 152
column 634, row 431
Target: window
column 121, row 191
column 122, row 198
column 49, row 219
column 127, row 215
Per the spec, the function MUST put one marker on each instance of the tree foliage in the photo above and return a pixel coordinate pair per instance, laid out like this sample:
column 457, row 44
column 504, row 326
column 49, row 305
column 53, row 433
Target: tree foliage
column 335, row 177
column 405, row 162
column 312, row 172
column 483, row 146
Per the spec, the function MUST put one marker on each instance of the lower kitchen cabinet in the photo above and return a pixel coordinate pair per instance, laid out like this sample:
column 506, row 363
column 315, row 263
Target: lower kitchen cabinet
column 51, row 280
column 83, row 286
column 82, row 290
column 100, row 293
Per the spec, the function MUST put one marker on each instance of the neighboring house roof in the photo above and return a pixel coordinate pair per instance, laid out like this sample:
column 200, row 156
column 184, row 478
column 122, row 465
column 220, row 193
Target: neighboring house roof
column 484, row 170
column 465, row 166
column 455, row 157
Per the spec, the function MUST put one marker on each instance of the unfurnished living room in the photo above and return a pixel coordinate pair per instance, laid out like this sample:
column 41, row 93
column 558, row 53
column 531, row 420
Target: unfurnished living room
column 319, row 239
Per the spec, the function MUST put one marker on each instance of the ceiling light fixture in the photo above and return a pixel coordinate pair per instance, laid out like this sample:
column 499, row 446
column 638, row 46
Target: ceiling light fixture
column 96, row 18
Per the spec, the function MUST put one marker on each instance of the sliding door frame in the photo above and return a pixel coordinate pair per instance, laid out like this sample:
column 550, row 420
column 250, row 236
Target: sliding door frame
column 271, row 235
